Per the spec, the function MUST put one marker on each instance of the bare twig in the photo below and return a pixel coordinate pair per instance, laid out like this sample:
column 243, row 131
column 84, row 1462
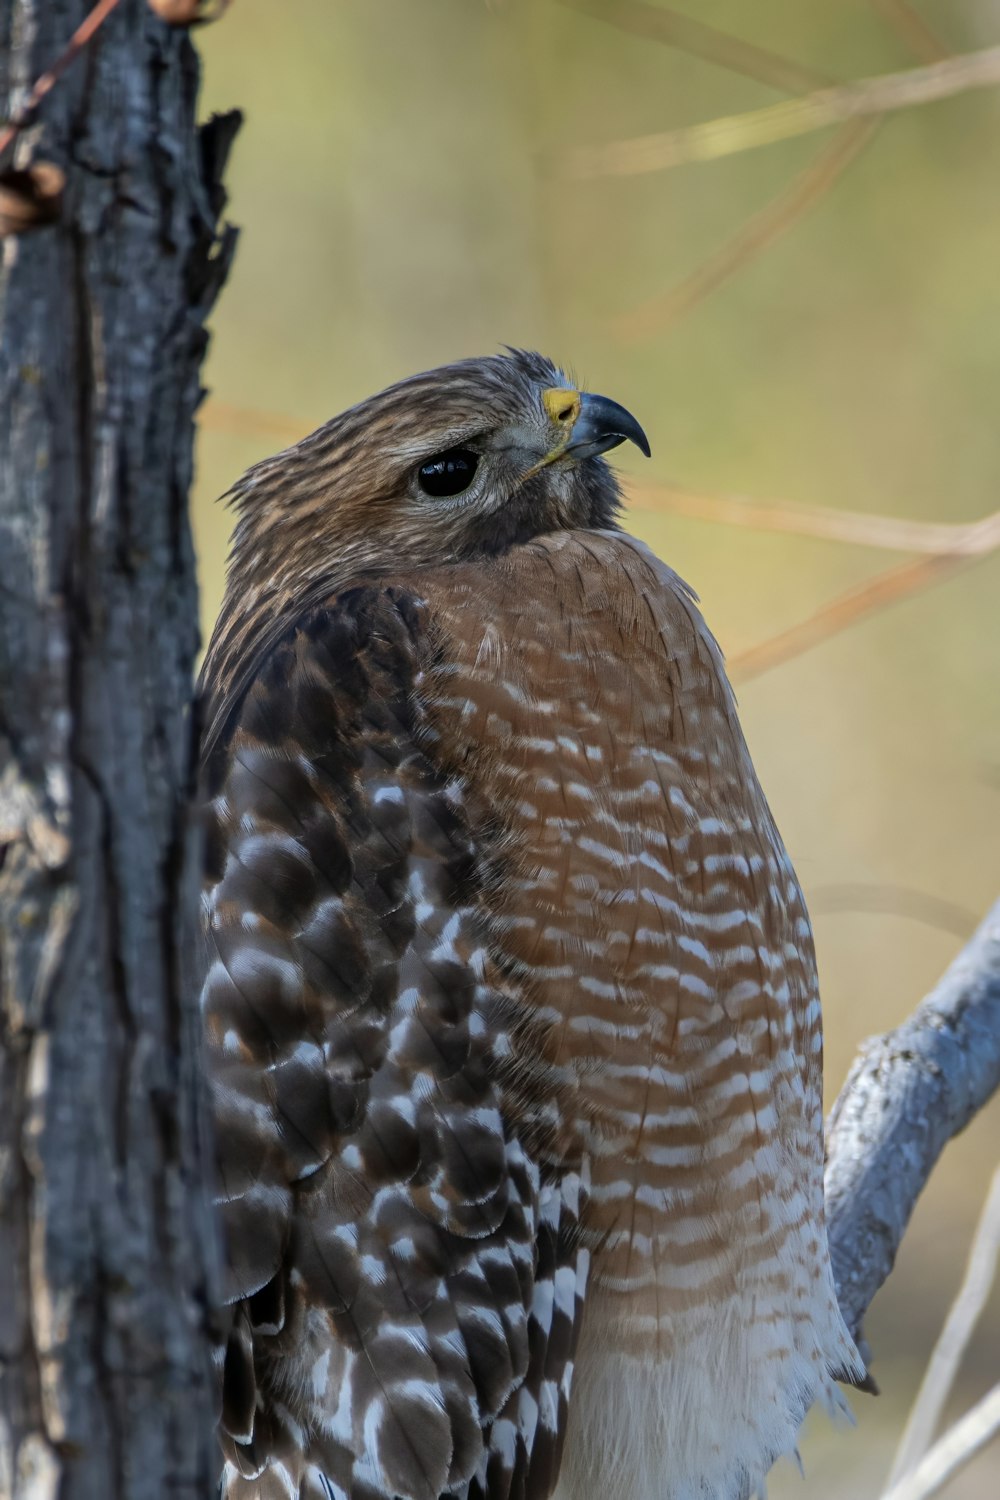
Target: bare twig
column 47, row 81
column 912, row 27
column 250, row 421
column 831, row 106
column 962, row 1318
column 892, row 899
column 959, row 1444
column 764, row 227
column 761, row 230
column 907, row 1095
column 656, row 23
column 868, row 598
column 936, row 537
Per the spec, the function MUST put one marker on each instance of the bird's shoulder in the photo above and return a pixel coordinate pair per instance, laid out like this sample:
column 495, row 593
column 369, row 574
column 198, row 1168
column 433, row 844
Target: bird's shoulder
column 355, row 648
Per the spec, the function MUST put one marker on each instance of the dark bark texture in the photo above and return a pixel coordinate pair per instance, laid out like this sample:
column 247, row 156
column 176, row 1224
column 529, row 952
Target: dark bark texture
column 107, row 1255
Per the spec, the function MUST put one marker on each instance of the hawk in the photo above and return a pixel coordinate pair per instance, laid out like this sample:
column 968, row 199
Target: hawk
column 511, row 1003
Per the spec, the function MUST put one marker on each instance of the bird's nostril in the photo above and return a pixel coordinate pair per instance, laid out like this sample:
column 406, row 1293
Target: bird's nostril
column 561, row 406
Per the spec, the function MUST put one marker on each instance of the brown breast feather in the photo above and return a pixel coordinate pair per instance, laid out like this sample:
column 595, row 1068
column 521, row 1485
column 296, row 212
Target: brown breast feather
column 648, row 904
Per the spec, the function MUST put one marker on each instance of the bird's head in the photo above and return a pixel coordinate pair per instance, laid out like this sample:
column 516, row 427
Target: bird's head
column 469, row 459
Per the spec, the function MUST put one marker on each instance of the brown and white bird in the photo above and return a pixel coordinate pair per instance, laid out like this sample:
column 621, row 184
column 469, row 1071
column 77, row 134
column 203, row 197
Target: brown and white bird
column 512, row 1011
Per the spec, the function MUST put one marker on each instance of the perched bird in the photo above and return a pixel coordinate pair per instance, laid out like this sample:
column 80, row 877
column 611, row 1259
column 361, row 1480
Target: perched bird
column 511, row 1002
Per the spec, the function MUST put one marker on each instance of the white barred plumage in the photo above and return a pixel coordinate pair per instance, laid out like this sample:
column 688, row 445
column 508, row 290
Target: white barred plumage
column 512, row 1015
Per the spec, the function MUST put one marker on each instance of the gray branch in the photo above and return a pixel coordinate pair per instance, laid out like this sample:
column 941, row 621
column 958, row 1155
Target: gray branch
column 906, row 1096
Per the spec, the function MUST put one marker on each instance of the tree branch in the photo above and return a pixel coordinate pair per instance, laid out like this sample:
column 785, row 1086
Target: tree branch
column 655, row 23
column 952, row 1452
column 862, row 99
column 953, row 1340
column 867, row 598
column 909, row 1092
column 828, row 522
column 754, row 236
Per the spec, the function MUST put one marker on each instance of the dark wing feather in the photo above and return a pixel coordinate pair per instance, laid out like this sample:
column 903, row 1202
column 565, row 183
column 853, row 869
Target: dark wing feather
column 525, row 1443
column 390, row 1237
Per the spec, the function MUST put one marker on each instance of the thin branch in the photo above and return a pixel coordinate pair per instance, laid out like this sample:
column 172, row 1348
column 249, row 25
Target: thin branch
column 908, row 1094
column 47, row 81
column 861, row 99
column 760, row 231
column 936, row 537
column 868, row 598
column 656, row 23
column 894, row 900
column 955, row 1335
column 249, row 421
column 959, row 1444
column 914, row 30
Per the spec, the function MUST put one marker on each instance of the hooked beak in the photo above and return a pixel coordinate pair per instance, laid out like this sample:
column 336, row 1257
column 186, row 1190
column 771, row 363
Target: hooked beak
column 587, row 425
column 601, row 425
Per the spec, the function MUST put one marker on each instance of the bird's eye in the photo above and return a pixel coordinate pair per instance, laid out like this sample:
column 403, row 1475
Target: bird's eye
column 448, row 474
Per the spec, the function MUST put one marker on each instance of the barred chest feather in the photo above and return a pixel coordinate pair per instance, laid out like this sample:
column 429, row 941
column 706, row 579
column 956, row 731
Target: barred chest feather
column 655, row 924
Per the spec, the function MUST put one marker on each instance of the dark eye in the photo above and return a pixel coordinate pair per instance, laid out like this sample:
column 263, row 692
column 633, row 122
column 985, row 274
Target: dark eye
column 448, row 474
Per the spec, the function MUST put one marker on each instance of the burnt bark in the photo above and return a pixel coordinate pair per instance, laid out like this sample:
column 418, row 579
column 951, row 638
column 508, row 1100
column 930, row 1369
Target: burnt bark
column 107, row 1250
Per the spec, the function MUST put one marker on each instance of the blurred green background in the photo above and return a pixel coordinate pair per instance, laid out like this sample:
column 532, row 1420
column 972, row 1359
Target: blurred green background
column 400, row 204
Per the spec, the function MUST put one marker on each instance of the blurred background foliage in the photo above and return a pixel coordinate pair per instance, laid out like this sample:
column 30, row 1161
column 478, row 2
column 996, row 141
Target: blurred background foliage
column 399, row 186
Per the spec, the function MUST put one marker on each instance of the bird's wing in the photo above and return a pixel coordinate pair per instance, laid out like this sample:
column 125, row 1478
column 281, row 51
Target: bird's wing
column 406, row 1272
column 525, row 1442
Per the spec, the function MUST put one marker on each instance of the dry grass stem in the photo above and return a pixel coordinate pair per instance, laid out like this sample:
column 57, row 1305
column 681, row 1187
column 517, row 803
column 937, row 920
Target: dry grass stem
column 760, row 231
column 937, row 538
column 867, row 599
column 862, row 99
column 962, row 1318
column 912, row 27
column 952, row 1452
column 892, row 899
column 247, row 421
column 655, row 23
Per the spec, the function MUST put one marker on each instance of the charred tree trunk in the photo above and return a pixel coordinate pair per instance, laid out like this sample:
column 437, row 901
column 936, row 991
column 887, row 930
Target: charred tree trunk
column 106, row 1243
